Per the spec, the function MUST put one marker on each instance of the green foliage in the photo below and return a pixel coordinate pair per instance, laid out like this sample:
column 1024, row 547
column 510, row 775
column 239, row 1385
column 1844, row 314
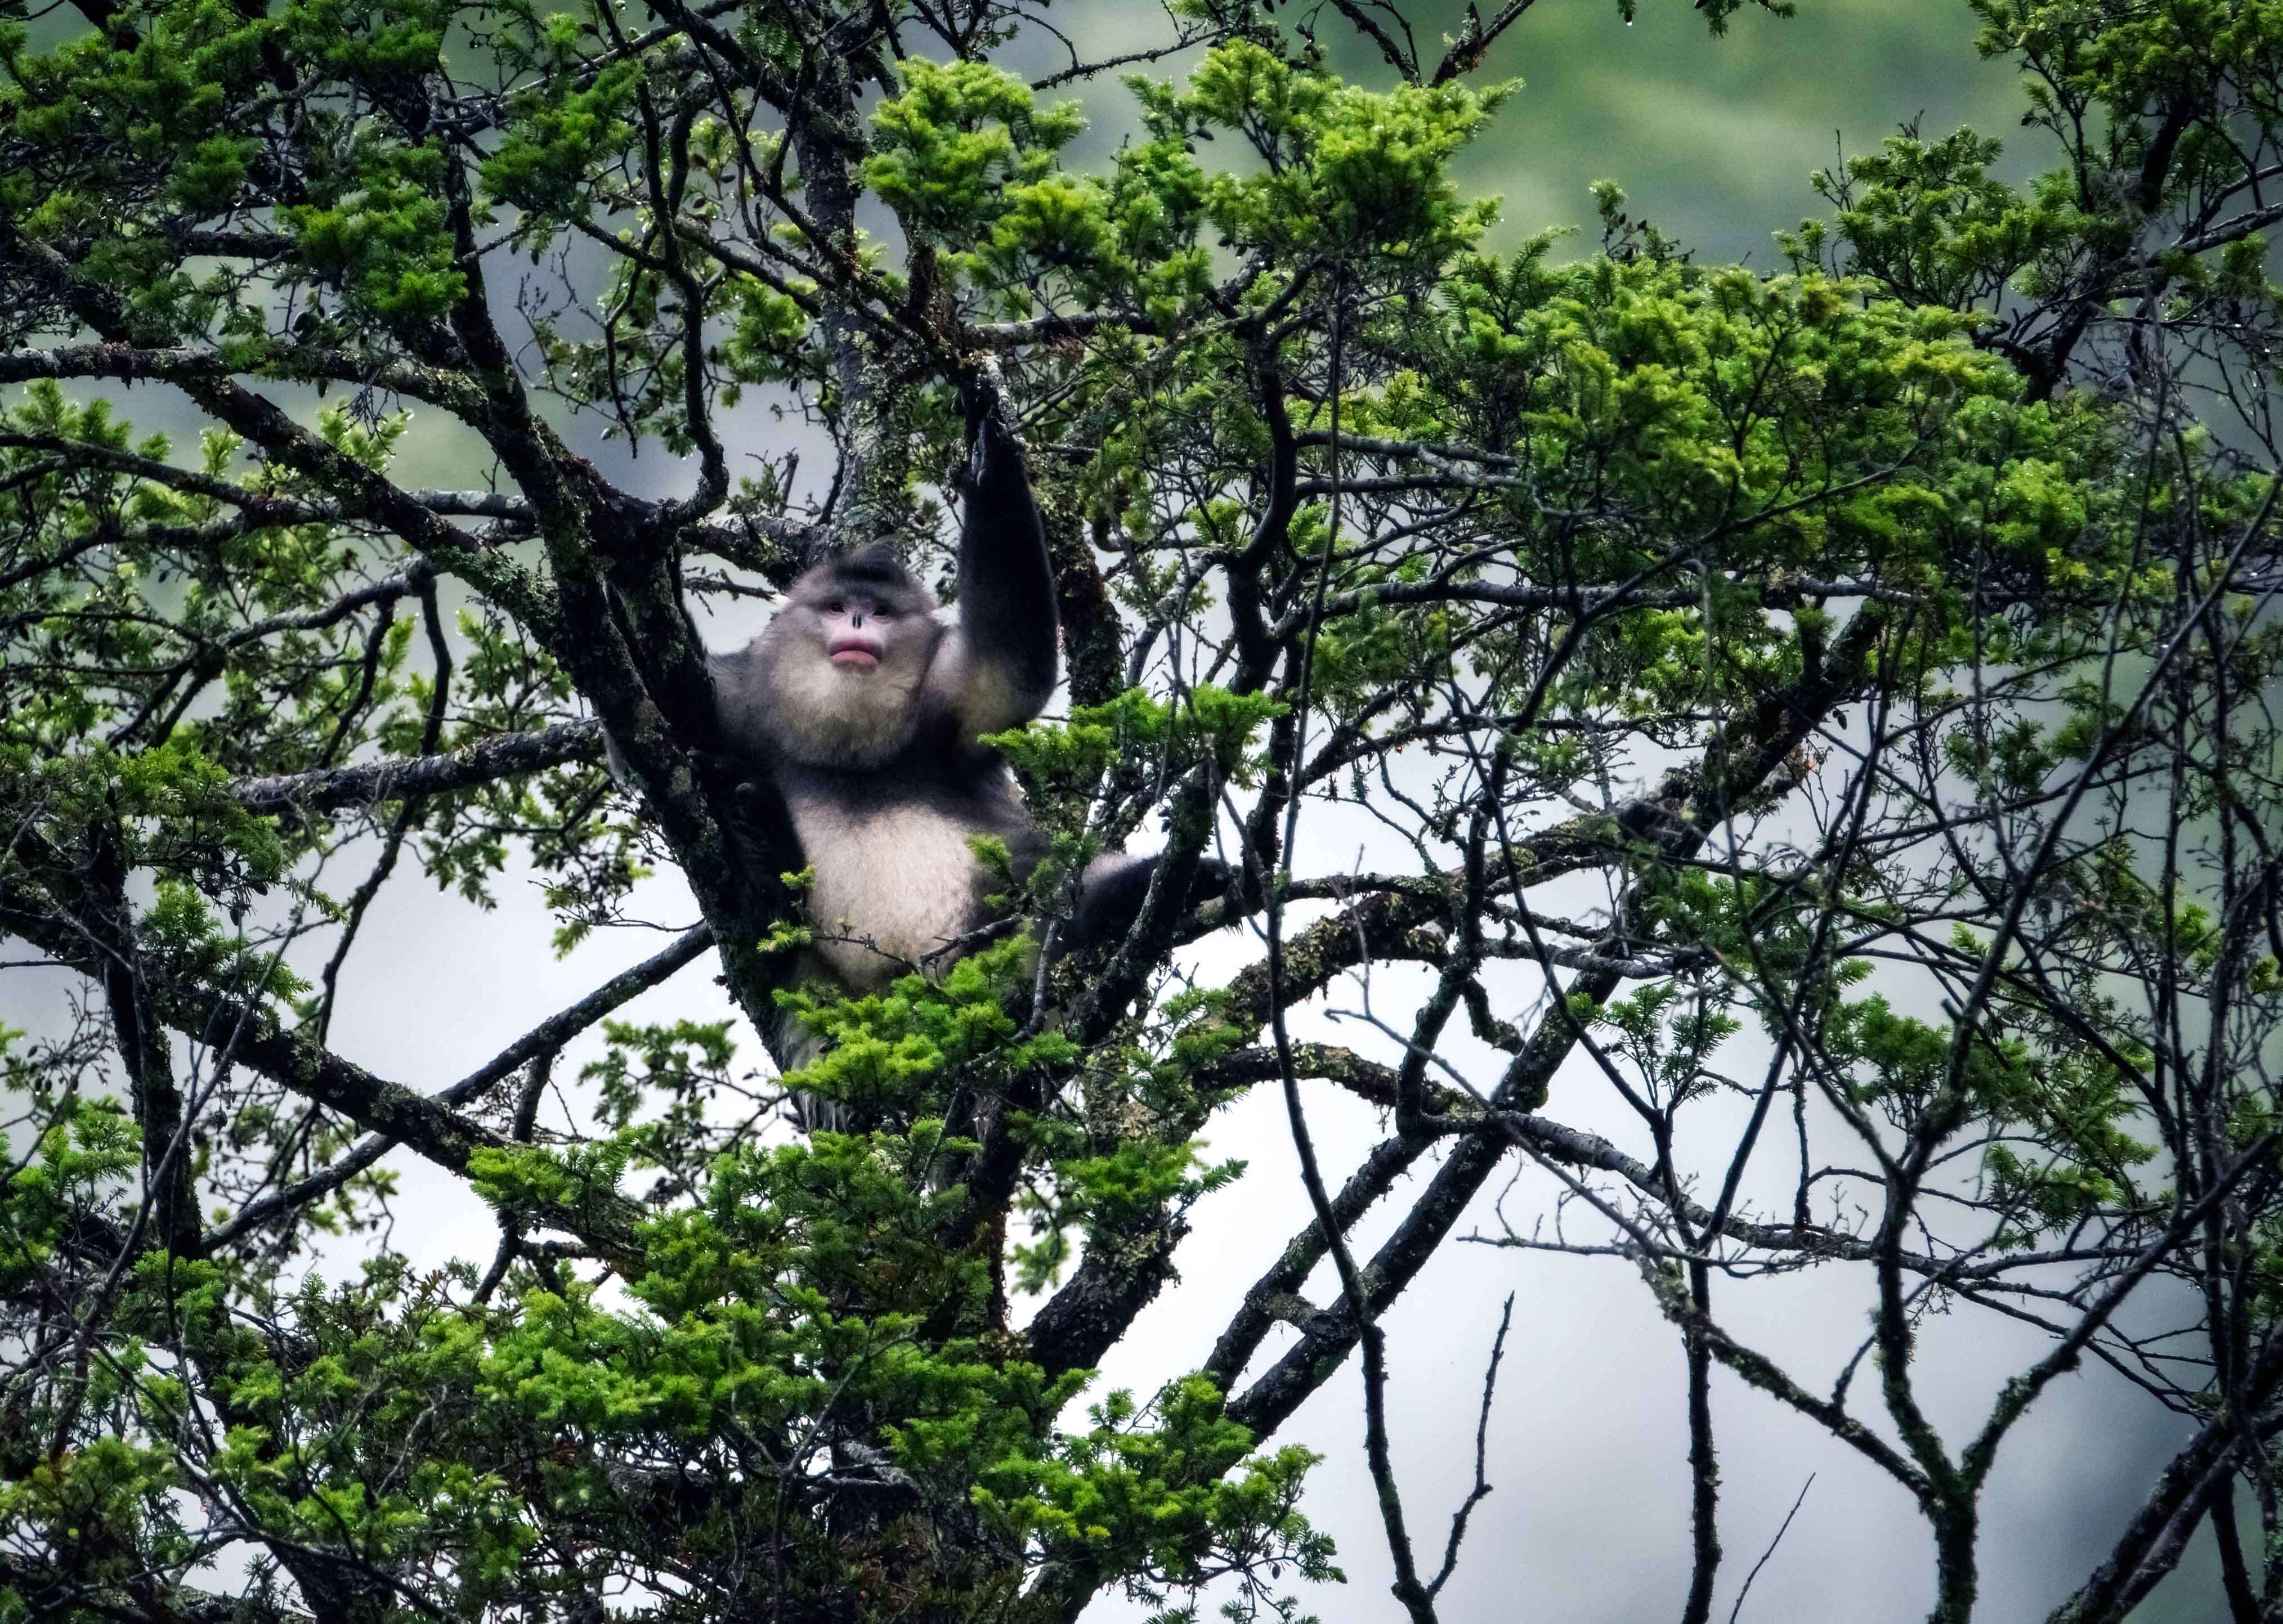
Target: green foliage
column 84, row 1157
column 1102, row 1198
column 376, row 228
column 562, row 130
column 1925, row 219
column 1132, row 1498
column 963, row 137
column 1060, row 763
column 892, row 1050
column 804, row 1283
column 1344, row 166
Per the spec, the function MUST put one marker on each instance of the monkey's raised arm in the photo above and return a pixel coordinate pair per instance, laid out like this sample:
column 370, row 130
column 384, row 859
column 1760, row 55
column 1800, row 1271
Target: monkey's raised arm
column 996, row 668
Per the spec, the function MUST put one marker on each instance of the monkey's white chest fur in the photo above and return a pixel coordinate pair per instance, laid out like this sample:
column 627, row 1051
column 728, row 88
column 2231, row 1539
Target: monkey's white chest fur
column 892, row 887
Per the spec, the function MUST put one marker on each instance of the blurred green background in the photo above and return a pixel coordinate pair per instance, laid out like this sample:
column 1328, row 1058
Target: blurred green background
column 1713, row 139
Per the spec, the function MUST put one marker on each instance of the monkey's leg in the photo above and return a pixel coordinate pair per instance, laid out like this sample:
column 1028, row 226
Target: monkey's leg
column 1113, row 889
column 794, row 1046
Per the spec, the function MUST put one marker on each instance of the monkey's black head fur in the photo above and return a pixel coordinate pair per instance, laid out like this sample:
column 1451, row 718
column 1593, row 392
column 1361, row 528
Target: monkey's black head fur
column 874, row 565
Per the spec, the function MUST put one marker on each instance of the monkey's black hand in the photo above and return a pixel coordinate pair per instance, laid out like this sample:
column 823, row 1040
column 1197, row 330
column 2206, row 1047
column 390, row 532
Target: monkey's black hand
column 717, row 768
column 761, row 829
column 995, row 449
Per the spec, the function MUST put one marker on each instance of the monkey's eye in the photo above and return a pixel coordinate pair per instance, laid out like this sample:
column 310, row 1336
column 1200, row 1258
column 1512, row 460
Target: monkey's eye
column 836, row 607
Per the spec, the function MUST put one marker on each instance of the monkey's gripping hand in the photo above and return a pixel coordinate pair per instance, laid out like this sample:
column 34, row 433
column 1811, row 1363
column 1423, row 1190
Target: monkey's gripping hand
column 996, row 480
column 982, row 397
column 756, row 821
column 1111, row 897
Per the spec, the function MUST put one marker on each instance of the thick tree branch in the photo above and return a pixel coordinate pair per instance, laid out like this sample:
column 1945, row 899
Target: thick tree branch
column 470, row 765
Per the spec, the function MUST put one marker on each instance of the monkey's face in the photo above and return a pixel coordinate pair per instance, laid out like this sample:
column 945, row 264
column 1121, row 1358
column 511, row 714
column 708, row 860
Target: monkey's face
column 872, row 627
column 859, row 626
column 846, row 658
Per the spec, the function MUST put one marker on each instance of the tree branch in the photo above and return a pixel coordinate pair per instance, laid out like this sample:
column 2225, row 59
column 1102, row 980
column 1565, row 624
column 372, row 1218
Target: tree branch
column 472, row 765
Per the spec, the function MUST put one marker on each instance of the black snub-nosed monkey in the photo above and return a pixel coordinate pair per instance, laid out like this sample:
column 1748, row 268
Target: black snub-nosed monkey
column 858, row 714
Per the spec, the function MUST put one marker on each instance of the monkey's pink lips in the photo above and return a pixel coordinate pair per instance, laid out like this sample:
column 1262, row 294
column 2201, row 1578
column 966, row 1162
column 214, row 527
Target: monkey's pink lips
column 855, row 653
